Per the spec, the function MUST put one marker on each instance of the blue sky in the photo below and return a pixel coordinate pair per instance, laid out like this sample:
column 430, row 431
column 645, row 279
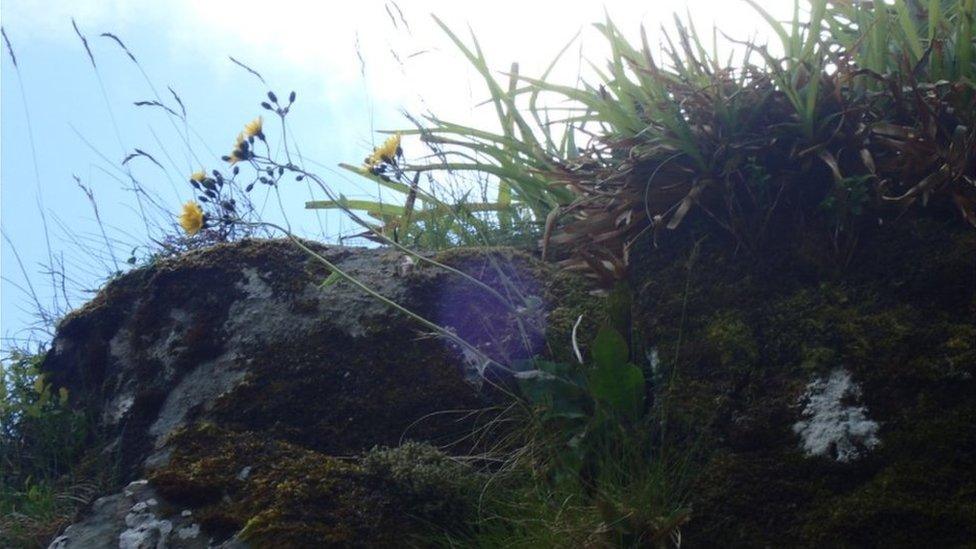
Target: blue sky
column 353, row 68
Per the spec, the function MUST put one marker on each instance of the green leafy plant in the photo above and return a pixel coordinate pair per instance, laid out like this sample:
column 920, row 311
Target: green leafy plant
column 615, row 383
column 865, row 106
column 42, row 441
column 42, row 435
column 597, row 436
column 584, row 402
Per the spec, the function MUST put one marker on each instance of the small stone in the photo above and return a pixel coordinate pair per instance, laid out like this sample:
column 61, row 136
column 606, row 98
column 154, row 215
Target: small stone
column 135, row 485
column 188, row 532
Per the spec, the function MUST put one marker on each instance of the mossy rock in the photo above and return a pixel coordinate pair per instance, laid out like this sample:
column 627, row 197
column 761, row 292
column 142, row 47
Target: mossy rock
column 246, row 335
column 269, row 493
column 741, row 335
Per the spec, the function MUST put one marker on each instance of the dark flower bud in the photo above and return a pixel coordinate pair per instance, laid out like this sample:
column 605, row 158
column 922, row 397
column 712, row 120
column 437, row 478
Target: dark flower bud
column 272, row 97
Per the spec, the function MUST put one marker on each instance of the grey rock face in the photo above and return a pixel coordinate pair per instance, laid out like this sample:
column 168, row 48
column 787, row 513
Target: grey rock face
column 245, row 336
column 159, row 348
column 135, row 518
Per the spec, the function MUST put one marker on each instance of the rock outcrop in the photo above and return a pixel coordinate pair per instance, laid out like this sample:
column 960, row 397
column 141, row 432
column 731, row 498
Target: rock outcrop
column 811, row 399
column 245, row 340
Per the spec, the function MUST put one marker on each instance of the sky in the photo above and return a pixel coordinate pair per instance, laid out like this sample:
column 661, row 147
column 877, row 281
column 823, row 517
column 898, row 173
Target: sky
column 355, row 67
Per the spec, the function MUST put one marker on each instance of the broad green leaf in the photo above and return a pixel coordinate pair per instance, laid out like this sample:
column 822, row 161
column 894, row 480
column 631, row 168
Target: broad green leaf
column 909, row 32
column 553, row 389
column 620, row 388
column 609, row 348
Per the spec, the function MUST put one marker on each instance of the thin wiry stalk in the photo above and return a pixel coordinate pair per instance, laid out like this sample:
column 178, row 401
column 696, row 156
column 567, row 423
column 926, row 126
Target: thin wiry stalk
column 90, row 195
column 39, row 197
column 40, row 311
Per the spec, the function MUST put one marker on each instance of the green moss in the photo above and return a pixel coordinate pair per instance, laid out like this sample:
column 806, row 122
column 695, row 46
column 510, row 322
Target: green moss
column 732, row 338
column 283, row 495
column 575, row 298
column 432, row 486
column 743, row 336
column 923, row 494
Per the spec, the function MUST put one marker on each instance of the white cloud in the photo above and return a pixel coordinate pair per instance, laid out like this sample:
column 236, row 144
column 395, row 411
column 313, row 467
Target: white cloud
column 320, row 39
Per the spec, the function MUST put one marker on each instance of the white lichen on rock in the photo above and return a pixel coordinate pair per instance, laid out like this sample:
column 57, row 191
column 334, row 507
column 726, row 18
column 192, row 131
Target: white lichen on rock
column 833, row 424
column 135, row 518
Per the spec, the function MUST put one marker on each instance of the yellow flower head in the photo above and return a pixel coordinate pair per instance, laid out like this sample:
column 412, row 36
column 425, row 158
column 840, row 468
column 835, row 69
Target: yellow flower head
column 254, row 127
column 385, row 152
column 192, row 218
column 390, row 146
column 237, row 155
column 198, row 176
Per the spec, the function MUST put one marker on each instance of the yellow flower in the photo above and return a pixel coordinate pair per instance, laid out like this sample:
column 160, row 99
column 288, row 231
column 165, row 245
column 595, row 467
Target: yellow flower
column 192, row 218
column 253, row 127
column 237, row 155
column 198, row 176
column 385, row 152
column 390, row 146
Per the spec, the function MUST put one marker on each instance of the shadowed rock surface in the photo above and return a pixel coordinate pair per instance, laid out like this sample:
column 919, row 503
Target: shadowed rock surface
column 826, row 401
column 245, row 339
column 815, row 401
